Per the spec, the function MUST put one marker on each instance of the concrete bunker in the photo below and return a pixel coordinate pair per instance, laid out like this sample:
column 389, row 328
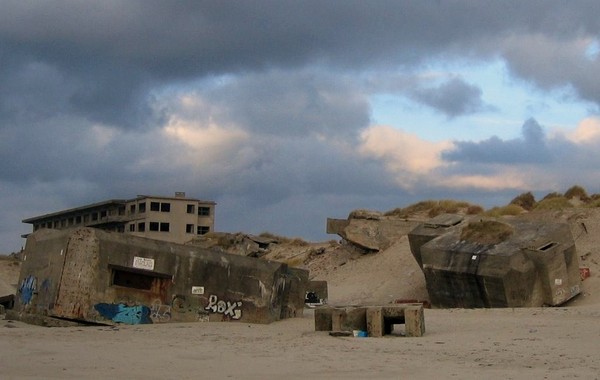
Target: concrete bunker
column 492, row 263
column 93, row 276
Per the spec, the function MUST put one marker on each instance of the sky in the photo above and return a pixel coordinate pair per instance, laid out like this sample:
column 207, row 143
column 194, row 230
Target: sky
column 286, row 113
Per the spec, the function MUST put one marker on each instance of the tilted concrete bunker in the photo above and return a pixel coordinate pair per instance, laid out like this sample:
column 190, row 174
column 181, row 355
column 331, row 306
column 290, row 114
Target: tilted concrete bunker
column 488, row 263
column 90, row 275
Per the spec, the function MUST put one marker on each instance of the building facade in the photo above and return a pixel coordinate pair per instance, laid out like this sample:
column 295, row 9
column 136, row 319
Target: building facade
column 176, row 219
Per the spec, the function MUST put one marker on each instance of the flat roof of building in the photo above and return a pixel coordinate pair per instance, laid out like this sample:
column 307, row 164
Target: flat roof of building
column 176, row 198
column 116, row 202
column 76, row 210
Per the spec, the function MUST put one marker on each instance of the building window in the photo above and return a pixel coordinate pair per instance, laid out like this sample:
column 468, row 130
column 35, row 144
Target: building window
column 78, row 219
column 203, row 230
column 154, row 206
column 121, row 210
column 63, row 223
column 191, row 209
column 153, row 226
column 164, row 227
column 132, row 227
column 56, row 224
column 102, row 214
column 70, row 221
column 94, row 216
column 204, row 211
column 132, row 209
column 142, row 227
column 189, row 228
column 142, row 207
column 86, row 218
column 165, row 207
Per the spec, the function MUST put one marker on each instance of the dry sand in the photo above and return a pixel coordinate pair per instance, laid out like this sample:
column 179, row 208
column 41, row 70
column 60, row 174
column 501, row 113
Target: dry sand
column 531, row 343
column 557, row 343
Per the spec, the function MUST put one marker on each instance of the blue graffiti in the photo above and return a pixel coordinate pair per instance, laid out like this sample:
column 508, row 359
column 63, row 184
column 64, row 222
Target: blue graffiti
column 27, row 289
column 131, row 315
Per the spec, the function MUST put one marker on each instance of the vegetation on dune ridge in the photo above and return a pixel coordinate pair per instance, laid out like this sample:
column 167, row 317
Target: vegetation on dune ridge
column 432, row 208
column 575, row 196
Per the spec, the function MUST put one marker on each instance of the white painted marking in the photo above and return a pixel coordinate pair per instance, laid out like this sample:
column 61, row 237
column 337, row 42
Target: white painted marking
column 143, row 263
column 197, row 289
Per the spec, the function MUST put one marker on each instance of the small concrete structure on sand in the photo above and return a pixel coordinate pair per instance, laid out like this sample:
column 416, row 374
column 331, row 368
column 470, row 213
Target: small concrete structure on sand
column 94, row 276
column 376, row 321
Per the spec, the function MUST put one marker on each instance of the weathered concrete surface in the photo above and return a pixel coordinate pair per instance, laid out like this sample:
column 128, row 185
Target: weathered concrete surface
column 377, row 321
column 532, row 264
column 97, row 276
column 433, row 228
column 381, row 320
column 341, row 318
column 372, row 232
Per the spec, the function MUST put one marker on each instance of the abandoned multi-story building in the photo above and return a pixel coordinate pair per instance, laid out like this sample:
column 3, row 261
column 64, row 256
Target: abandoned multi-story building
column 173, row 219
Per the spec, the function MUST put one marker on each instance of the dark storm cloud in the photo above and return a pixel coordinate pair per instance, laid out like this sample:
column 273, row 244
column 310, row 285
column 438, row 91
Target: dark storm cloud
column 110, row 55
column 453, row 98
column 531, row 148
column 83, row 88
column 551, row 64
column 297, row 103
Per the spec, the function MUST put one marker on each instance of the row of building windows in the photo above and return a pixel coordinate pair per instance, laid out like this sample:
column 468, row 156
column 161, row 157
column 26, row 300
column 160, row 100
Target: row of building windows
column 79, row 219
column 166, row 227
column 100, row 215
column 166, row 207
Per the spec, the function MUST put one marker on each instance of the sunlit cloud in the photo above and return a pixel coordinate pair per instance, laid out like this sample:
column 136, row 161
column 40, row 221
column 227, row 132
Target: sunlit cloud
column 403, row 154
column 587, row 131
column 503, row 181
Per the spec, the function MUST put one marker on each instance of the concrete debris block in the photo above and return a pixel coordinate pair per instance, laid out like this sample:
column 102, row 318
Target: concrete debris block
column 381, row 320
column 371, row 234
column 323, row 319
column 375, row 324
column 349, row 319
column 414, row 318
column 340, row 318
column 377, row 321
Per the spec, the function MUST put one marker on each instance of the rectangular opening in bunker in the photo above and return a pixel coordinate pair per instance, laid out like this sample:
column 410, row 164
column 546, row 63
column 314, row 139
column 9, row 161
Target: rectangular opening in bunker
column 394, row 326
column 136, row 279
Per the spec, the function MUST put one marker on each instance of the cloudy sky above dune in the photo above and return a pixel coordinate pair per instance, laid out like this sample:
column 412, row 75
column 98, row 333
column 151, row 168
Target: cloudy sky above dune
column 289, row 112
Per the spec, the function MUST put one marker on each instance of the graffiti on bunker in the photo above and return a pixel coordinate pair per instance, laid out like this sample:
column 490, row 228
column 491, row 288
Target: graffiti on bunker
column 27, row 289
column 121, row 313
column 227, row 308
column 160, row 312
